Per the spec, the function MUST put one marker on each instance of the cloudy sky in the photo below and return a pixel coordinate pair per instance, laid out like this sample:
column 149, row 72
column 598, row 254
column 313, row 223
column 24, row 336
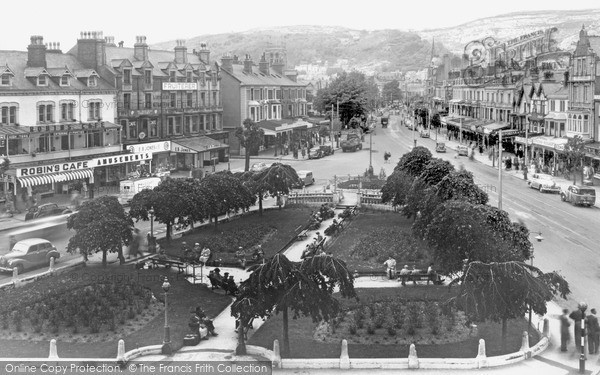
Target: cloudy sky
column 62, row 20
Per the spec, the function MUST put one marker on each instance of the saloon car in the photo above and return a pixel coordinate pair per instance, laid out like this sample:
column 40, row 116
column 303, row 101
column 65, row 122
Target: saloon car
column 45, row 210
column 440, row 147
column 28, row 254
column 424, row 134
column 579, row 195
column 543, row 182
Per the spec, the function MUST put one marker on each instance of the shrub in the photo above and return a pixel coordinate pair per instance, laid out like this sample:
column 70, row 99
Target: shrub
column 95, row 325
column 17, row 318
column 353, row 329
column 391, row 330
column 370, row 327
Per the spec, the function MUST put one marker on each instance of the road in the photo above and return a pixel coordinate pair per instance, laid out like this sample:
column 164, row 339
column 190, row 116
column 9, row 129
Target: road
column 571, row 238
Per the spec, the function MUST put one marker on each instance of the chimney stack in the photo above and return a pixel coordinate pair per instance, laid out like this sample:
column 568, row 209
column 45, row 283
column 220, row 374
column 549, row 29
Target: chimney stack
column 227, row 62
column 235, row 60
column 278, row 66
column 36, row 52
column 204, row 54
column 180, row 52
column 91, row 49
column 248, row 64
column 140, row 49
column 53, row 47
column 263, row 65
column 291, row 74
column 110, row 41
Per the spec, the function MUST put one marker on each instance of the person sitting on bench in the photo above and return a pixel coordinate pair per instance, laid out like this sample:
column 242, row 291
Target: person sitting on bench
column 204, row 320
column 432, row 276
column 217, row 275
column 231, row 286
column 258, row 254
column 404, row 273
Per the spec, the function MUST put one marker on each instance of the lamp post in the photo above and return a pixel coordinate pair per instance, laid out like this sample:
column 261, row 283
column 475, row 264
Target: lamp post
column 538, row 238
column 166, row 348
column 370, row 151
column 151, row 241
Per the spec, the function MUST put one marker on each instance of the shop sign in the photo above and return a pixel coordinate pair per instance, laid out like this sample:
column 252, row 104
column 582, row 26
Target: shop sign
column 522, row 140
column 179, row 86
column 53, row 168
column 120, row 159
column 181, row 149
column 150, row 147
column 547, row 143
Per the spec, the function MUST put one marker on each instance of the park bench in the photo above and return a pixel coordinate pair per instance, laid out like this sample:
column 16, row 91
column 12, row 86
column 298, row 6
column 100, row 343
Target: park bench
column 221, row 284
column 231, row 260
column 321, row 244
column 302, row 235
column 423, row 276
column 168, row 263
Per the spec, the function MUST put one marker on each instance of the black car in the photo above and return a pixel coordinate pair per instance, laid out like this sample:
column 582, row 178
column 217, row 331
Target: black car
column 45, row 210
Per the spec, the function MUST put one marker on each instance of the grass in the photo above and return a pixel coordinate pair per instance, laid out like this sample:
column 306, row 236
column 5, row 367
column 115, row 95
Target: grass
column 360, row 244
column 303, row 345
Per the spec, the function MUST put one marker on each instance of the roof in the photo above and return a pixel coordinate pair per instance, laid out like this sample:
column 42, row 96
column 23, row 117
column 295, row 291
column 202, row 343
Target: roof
column 595, row 43
column 33, row 241
column 16, row 61
column 200, row 143
column 259, row 78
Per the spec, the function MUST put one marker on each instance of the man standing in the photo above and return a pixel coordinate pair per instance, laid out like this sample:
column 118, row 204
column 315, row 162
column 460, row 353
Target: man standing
column 593, row 332
column 577, row 316
column 391, row 267
column 564, row 330
column 404, row 272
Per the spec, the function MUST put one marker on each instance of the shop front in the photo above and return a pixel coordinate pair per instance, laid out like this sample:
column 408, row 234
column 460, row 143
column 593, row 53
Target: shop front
column 544, row 153
column 198, row 152
column 285, row 136
column 161, row 163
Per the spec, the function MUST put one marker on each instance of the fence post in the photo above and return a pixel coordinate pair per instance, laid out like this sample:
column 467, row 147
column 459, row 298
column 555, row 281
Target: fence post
column 413, row 360
column 121, row 351
column 344, row 358
column 546, row 328
column 525, row 345
column 53, row 351
column 277, row 359
column 481, row 357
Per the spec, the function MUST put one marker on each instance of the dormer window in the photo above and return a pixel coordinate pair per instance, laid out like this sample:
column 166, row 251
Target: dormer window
column 92, row 81
column 188, row 76
column 172, row 77
column 42, row 81
column 64, row 80
column 5, row 80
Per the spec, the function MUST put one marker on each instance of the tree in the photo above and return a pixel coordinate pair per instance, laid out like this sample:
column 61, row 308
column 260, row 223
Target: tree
column 506, row 290
column 435, row 171
column 396, row 187
column 4, row 164
column 460, row 230
column 573, row 156
column 101, row 225
column 414, row 162
column 277, row 180
column 251, row 138
column 391, row 91
column 306, row 288
column 225, row 193
column 459, row 185
column 173, row 200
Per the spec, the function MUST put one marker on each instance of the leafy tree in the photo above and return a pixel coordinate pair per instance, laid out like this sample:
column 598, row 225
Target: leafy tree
column 436, row 170
column 225, row 193
column 573, row 156
column 306, row 288
column 459, row 185
column 396, row 187
column 460, row 230
column 414, row 162
column 101, row 225
column 506, row 290
column 251, row 137
column 435, row 121
column 4, row 164
column 174, row 200
column 391, row 91
column 277, row 180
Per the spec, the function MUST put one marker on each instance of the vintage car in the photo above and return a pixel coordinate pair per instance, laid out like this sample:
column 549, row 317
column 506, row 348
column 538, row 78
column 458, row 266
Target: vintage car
column 326, row 150
column 315, row 153
column 28, row 254
column 579, row 195
column 257, row 167
column 424, row 134
column 305, row 178
column 543, row 182
column 462, row 150
column 440, row 147
column 45, row 210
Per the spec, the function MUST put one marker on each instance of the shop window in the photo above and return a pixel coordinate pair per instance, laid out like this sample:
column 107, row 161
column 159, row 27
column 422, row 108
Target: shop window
column 93, row 138
column 144, row 126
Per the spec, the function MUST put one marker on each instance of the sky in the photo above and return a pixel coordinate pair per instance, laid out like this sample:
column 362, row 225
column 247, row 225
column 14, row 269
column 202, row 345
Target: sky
column 63, row 20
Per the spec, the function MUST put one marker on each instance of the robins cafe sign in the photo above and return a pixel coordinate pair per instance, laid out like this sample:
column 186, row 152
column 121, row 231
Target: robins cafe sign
column 85, row 164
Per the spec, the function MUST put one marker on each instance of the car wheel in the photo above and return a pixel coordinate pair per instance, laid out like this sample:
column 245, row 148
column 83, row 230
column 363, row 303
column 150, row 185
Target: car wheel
column 540, row 189
column 20, row 269
column 50, row 261
column 563, row 197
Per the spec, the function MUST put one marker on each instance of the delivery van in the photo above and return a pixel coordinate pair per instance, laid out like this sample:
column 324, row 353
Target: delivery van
column 129, row 188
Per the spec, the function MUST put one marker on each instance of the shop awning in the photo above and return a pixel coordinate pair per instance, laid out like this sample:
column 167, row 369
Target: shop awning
column 550, row 142
column 269, row 131
column 56, row 177
column 196, row 144
column 488, row 129
column 12, row 132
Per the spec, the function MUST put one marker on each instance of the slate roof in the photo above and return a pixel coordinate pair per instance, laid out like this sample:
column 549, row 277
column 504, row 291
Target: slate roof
column 257, row 78
column 17, row 62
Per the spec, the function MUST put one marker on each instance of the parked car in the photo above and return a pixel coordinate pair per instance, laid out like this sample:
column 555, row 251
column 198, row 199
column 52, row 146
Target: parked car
column 315, row 153
column 28, row 254
column 326, row 150
column 45, row 210
column 440, row 147
column 257, row 167
column 424, row 134
column 306, row 178
column 462, row 150
column 579, row 195
column 543, row 183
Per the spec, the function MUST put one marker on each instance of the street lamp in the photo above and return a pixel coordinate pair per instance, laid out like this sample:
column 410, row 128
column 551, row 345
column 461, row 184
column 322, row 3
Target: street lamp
column 538, row 238
column 166, row 348
column 151, row 212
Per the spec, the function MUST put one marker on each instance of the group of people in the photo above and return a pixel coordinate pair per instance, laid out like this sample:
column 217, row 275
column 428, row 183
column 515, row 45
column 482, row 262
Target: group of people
column 224, row 281
column 405, row 273
column 314, row 248
column 196, row 254
column 200, row 319
column 591, row 329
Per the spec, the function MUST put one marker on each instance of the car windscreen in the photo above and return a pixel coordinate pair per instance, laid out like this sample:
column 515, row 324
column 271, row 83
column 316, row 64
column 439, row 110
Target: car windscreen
column 20, row 248
column 587, row 192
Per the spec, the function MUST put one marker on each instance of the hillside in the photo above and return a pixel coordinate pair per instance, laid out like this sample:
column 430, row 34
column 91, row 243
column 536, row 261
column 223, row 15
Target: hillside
column 390, row 50
column 382, row 50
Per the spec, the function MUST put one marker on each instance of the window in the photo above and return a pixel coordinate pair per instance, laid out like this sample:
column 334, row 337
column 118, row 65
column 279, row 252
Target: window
column 214, row 98
column 42, row 81
column 92, row 81
column 170, row 125
column 178, row 125
column 215, row 121
column 64, row 80
column 187, row 128
column 94, row 110
column 562, row 105
column 8, row 115
column 189, row 99
column 132, row 129
column 126, row 101
column 194, row 124
column 270, row 94
column 188, row 76
column 148, row 100
column 144, row 126
column 5, row 80
column 172, row 77
column 173, row 99
column 148, row 77
column 202, row 122
column 203, row 99
column 45, row 113
column 153, row 128
column 127, row 76
column 66, row 111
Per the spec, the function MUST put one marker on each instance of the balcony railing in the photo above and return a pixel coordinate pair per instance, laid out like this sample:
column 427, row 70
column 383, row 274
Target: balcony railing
column 64, row 154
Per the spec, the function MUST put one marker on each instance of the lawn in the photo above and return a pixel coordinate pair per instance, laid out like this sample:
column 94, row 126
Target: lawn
column 360, row 244
column 304, row 345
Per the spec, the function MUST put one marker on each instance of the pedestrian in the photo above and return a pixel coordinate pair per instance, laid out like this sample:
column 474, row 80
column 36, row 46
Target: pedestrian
column 391, row 267
column 404, row 273
column 134, row 247
column 564, row 330
column 204, row 256
column 577, row 316
column 593, row 332
column 432, row 276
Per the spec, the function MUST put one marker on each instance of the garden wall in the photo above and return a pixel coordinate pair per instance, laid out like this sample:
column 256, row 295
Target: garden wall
column 412, row 362
column 18, row 281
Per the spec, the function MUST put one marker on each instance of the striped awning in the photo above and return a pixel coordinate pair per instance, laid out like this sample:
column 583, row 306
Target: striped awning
column 56, row 177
